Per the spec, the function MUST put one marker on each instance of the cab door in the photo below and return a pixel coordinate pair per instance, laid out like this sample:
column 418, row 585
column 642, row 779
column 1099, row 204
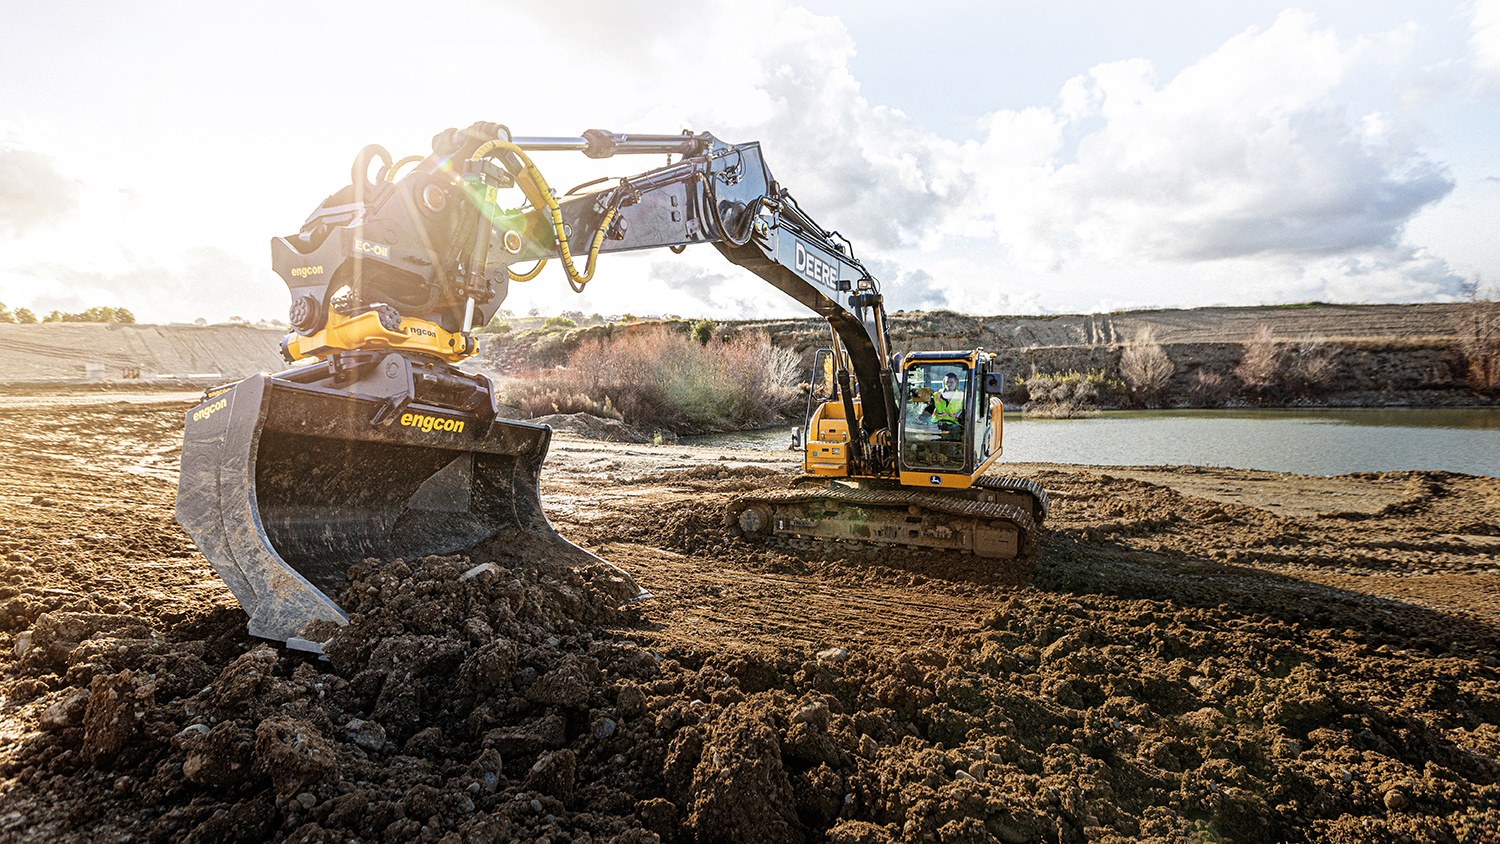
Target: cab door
column 937, row 420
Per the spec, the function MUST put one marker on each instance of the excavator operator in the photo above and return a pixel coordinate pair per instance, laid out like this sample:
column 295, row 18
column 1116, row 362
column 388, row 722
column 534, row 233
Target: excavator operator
column 947, row 408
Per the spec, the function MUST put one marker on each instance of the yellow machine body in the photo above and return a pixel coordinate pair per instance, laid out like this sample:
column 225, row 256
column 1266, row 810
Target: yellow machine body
column 364, row 331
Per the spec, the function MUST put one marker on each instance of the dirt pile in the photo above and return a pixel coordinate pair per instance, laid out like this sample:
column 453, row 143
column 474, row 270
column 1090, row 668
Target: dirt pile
column 1150, row 685
column 475, row 696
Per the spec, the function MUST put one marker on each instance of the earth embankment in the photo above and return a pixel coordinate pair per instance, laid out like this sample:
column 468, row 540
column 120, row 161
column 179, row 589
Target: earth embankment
column 75, row 353
column 1370, row 355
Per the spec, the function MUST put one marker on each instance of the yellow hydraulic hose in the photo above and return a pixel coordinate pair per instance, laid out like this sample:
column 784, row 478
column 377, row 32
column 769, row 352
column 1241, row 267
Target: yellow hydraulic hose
column 390, row 172
column 535, row 271
column 532, row 183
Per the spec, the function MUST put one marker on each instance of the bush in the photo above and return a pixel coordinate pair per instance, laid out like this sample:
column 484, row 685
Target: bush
column 560, row 322
column 1272, row 370
column 1261, row 362
column 1208, row 389
column 1146, row 369
column 539, row 398
column 111, row 315
column 1063, row 395
column 496, row 326
column 1478, row 327
column 703, row 331
column 662, row 379
column 548, row 350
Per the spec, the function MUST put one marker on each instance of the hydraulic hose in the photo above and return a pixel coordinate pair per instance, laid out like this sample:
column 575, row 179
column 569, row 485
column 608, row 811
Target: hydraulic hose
column 535, row 271
column 713, row 210
column 388, row 173
column 534, row 185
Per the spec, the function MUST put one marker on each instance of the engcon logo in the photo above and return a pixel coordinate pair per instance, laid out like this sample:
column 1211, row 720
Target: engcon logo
column 428, row 424
column 205, row 412
column 379, row 250
column 304, row 272
column 417, row 330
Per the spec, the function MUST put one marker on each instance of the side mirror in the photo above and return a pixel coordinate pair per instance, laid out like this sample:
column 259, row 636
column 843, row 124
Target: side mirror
column 796, row 438
column 994, row 383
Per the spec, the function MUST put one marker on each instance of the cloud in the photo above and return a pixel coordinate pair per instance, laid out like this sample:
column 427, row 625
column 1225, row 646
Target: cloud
column 908, row 289
column 763, row 70
column 1484, row 40
column 1246, row 153
column 208, row 283
column 1249, row 158
column 33, row 193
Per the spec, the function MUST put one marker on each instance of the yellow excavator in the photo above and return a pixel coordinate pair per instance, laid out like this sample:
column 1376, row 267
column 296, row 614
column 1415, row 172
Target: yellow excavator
column 375, row 444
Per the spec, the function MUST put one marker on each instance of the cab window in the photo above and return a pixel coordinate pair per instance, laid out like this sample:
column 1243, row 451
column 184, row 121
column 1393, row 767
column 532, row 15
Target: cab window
column 936, row 403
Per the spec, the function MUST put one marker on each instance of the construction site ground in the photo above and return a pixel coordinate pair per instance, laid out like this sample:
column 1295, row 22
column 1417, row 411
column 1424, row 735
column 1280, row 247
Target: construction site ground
column 1204, row 655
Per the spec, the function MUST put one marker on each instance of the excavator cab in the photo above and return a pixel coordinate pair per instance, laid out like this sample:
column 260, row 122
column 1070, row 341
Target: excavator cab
column 951, row 417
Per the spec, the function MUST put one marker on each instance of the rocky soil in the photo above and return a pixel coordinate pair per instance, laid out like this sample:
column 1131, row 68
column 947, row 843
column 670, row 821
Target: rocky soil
column 1204, row 656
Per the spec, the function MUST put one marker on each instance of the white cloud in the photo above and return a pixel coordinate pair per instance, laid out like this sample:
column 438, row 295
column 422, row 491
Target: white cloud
column 1247, row 176
column 34, row 194
column 1246, row 153
column 1484, row 40
column 766, row 71
column 205, row 282
column 1248, row 159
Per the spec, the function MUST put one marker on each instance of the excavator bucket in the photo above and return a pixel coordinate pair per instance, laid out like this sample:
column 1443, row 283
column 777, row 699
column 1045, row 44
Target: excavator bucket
column 285, row 485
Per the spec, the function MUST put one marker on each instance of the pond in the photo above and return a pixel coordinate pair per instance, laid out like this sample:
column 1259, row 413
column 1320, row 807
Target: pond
column 1309, row 442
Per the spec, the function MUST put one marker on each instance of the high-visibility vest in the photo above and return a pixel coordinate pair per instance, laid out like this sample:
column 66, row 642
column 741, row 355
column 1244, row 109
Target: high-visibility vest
column 948, row 406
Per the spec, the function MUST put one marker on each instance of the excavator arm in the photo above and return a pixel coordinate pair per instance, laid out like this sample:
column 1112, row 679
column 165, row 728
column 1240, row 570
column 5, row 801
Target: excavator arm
column 436, row 245
column 375, row 445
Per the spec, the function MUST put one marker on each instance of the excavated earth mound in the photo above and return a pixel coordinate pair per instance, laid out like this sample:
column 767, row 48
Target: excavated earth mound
column 502, row 694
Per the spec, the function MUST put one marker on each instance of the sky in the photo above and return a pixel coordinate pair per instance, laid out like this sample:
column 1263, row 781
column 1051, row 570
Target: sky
column 988, row 157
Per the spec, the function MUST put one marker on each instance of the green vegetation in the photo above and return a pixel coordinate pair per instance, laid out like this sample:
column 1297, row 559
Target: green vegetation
column 703, row 331
column 20, row 315
column 661, row 379
column 560, row 322
column 119, row 316
column 1064, row 395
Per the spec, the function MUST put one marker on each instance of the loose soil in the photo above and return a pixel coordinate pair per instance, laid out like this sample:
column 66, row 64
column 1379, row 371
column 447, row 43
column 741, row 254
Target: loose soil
column 1204, row 655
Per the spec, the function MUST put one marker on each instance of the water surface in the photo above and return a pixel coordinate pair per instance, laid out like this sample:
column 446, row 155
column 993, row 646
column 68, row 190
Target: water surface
column 1309, row 442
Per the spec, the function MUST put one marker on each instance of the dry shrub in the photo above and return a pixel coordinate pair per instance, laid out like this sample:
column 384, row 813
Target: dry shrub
column 535, row 397
column 1260, row 367
column 1146, row 368
column 662, row 379
column 1478, row 328
column 1310, row 367
column 1275, row 370
column 1208, row 389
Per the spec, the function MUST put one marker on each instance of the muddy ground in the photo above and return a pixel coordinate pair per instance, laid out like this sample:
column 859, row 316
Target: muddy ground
column 1204, row 655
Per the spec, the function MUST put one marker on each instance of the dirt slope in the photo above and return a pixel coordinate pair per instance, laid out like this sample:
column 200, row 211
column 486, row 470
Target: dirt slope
column 1203, row 657
column 69, row 351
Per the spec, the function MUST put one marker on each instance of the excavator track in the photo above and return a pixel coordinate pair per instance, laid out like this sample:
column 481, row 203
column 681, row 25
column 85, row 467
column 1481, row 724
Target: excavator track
column 896, row 517
column 1032, row 496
